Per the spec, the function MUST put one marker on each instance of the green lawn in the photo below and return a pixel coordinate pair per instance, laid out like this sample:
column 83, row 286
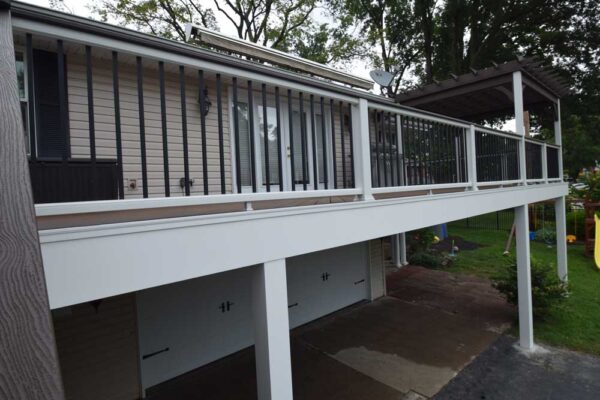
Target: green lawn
column 575, row 324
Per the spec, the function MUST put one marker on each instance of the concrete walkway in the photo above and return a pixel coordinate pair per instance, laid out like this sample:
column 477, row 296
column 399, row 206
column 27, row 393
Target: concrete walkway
column 405, row 346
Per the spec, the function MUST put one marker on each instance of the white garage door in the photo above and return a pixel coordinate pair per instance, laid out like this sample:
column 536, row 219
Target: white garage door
column 322, row 282
column 189, row 324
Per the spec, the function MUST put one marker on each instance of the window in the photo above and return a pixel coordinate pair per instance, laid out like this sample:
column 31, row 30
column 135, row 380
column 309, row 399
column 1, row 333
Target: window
column 245, row 143
column 273, row 144
column 22, row 86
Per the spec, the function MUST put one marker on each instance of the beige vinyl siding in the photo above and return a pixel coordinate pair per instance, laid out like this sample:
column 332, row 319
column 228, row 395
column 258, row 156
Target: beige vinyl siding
column 130, row 128
column 98, row 349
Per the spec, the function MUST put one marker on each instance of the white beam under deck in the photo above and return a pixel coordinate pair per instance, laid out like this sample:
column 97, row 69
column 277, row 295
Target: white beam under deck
column 87, row 263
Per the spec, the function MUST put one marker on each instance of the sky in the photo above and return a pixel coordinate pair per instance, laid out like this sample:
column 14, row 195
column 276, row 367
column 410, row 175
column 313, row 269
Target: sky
column 358, row 67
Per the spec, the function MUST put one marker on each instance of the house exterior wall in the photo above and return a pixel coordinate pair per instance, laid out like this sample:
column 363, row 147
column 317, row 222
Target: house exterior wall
column 98, row 350
column 104, row 121
column 104, row 118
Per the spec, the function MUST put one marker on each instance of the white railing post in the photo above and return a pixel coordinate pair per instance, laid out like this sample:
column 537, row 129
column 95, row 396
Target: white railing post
column 362, row 148
column 545, row 163
column 558, row 139
column 472, row 157
column 519, row 123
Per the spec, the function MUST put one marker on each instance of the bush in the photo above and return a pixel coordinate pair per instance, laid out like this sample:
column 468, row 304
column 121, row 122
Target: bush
column 546, row 235
column 425, row 259
column 420, row 240
column 547, row 290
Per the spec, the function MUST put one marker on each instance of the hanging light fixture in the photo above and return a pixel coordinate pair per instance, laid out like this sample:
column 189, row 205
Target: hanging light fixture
column 206, row 101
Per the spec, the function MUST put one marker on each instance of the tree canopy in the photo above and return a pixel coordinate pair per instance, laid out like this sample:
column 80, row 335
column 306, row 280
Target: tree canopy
column 420, row 40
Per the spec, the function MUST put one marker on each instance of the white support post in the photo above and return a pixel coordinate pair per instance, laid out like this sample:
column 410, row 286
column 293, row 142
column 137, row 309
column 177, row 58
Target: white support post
column 271, row 331
column 519, row 123
column 561, row 238
column 362, row 148
column 524, row 278
column 398, row 250
column 402, row 248
column 558, row 139
column 545, row 162
column 472, row 158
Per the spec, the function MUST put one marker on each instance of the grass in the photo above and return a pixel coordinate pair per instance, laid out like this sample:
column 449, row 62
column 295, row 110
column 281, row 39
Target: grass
column 575, row 323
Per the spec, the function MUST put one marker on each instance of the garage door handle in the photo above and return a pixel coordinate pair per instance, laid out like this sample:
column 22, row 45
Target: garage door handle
column 155, row 353
column 357, row 282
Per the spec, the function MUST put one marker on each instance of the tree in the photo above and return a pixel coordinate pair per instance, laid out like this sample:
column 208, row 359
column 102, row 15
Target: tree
column 165, row 18
column 388, row 30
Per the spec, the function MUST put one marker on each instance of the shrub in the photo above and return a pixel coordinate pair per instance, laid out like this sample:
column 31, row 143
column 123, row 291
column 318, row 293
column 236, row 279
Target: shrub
column 426, row 259
column 420, row 240
column 547, row 290
column 546, row 235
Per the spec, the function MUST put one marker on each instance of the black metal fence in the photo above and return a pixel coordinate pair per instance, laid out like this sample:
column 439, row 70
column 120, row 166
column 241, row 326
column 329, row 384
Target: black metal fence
column 430, row 152
column 552, row 154
column 533, row 160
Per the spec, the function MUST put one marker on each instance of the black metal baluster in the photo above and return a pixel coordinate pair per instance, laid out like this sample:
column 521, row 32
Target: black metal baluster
column 91, row 124
column 314, row 143
column 203, row 130
column 343, row 145
column 117, row 107
column 163, row 117
column 184, row 133
column 399, row 130
column 384, row 149
column 220, row 129
column 351, row 137
column 391, row 158
column 236, row 128
column 333, row 147
column 251, row 130
column 377, row 155
column 292, row 154
column 140, row 90
column 279, row 142
column 303, row 140
column 266, row 137
column 324, row 141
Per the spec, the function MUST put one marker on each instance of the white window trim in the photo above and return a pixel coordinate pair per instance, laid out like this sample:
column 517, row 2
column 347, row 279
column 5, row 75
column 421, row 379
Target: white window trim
column 21, row 49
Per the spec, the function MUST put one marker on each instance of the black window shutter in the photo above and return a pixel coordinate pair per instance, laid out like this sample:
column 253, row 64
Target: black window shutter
column 50, row 135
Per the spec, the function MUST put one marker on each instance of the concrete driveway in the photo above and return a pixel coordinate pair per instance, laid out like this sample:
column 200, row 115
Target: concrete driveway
column 405, row 346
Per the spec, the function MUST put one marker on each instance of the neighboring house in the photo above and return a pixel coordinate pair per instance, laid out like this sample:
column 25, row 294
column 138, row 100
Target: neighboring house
column 191, row 203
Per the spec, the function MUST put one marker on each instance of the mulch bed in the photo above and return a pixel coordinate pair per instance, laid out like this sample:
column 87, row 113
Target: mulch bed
column 446, row 244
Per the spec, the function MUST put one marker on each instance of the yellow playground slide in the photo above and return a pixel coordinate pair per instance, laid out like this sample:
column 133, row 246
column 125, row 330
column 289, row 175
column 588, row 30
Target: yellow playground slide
column 597, row 242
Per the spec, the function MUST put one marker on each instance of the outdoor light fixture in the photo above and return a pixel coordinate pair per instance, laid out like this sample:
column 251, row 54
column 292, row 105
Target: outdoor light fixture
column 207, row 102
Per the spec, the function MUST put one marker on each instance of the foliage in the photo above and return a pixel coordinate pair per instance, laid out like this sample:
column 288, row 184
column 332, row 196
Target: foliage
column 161, row 18
column 420, row 240
column 426, row 259
column 591, row 193
column 574, row 323
column 546, row 235
column 546, row 289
